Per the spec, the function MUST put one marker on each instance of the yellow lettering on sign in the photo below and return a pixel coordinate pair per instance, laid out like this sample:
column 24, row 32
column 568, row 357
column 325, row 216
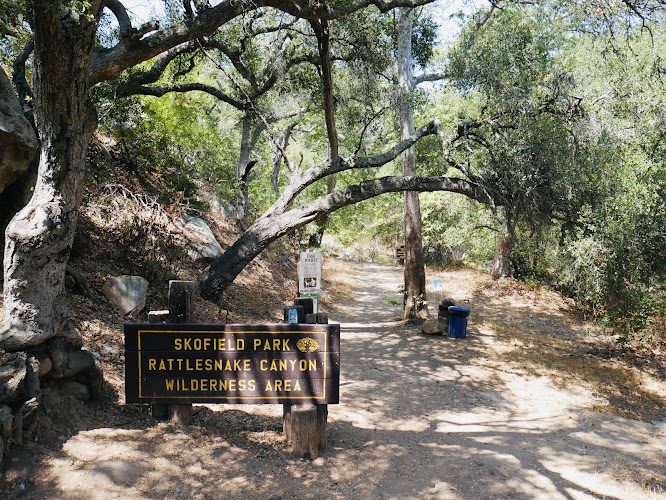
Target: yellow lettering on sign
column 263, row 365
column 257, row 343
column 169, row 385
column 152, row 363
column 285, row 344
column 178, row 344
column 162, row 365
column 218, row 364
column 297, row 386
column 213, row 385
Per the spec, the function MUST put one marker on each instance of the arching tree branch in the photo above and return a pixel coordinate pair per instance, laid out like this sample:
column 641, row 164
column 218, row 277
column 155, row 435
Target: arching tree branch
column 329, row 167
column 106, row 63
column 269, row 228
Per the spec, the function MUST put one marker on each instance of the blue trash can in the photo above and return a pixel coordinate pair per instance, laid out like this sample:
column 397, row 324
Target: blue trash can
column 458, row 322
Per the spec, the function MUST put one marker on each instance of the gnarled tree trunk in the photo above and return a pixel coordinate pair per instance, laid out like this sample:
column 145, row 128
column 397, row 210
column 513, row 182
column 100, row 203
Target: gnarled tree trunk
column 502, row 262
column 39, row 237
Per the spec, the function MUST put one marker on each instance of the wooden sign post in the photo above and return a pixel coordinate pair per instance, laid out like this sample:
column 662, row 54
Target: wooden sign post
column 297, row 365
column 229, row 363
column 181, row 310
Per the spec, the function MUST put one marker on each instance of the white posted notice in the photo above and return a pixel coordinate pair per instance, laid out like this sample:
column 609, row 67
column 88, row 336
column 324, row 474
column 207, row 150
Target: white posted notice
column 310, row 279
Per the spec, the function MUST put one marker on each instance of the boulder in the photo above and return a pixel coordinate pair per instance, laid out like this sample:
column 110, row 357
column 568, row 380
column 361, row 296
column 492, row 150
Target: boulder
column 75, row 390
column 13, row 373
column 6, row 421
column 126, row 293
column 432, row 327
column 18, row 141
column 201, row 244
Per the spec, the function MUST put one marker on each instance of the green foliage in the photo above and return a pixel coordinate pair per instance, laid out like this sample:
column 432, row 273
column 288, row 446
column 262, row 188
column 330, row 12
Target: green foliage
column 455, row 230
column 12, row 18
column 506, row 60
column 172, row 140
column 516, row 135
column 613, row 259
column 424, row 38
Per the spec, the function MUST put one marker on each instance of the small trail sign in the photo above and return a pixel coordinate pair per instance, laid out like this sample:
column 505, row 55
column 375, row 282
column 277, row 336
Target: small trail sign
column 227, row 363
column 309, row 280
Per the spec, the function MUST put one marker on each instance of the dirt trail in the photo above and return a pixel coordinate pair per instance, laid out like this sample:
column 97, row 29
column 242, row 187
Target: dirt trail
column 420, row 417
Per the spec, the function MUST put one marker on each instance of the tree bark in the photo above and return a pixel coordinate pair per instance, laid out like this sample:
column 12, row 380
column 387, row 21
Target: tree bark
column 39, row 237
column 243, row 196
column 502, row 262
column 414, row 272
column 270, row 227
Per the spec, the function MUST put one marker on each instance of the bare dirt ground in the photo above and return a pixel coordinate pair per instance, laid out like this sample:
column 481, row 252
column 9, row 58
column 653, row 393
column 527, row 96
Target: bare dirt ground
column 533, row 404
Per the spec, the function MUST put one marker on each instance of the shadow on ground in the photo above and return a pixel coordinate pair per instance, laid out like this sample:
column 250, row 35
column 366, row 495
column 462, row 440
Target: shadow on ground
column 420, row 417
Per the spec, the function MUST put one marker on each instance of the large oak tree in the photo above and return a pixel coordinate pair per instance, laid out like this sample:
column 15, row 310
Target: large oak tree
column 66, row 63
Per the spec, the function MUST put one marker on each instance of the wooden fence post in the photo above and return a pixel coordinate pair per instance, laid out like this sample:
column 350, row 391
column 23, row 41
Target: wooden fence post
column 181, row 310
column 306, row 425
column 158, row 410
column 303, row 428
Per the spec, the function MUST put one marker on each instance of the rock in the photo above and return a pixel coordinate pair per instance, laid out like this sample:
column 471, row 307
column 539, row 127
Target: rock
column 6, row 421
column 432, row 327
column 45, row 366
column 448, row 301
column 68, row 363
column 126, row 293
column 50, row 397
column 13, row 373
column 72, row 336
column 201, row 243
column 18, row 141
column 76, row 390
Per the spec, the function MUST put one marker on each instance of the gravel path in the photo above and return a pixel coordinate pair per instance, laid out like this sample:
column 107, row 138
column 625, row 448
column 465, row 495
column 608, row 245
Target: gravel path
column 420, row 417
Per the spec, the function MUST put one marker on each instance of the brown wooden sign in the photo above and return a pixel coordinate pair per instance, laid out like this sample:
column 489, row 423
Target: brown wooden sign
column 228, row 363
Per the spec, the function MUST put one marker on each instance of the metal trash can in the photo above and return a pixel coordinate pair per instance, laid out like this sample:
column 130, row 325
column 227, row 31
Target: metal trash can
column 458, row 322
